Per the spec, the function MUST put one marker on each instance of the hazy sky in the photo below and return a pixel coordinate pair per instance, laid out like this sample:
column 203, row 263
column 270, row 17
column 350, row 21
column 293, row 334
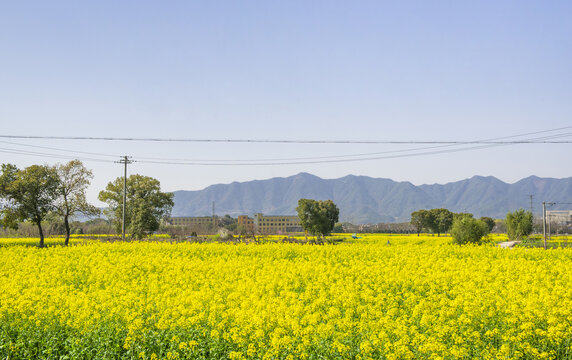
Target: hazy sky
column 287, row 70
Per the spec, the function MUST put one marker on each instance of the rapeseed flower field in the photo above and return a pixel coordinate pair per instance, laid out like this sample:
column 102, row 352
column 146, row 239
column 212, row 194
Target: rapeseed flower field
column 414, row 298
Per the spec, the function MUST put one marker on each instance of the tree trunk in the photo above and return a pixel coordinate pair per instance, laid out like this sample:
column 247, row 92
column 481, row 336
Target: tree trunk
column 67, row 225
column 41, row 234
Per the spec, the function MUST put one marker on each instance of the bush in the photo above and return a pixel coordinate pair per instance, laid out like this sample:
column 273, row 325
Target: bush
column 467, row 230
column 489, row 221
column 519, row 224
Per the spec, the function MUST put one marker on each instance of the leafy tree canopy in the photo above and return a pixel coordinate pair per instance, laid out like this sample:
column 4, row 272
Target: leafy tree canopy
column 28, row 195
column 316, row 216
column 421, row 220
column 74, row 179
column 461, row 215
column 489, row 221
column 146, row 204
column 467, row 230
column 519, row 224
column 440, row 220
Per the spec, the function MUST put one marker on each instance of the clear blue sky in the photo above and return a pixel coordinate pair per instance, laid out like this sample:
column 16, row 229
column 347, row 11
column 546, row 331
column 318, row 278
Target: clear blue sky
column 332, row 70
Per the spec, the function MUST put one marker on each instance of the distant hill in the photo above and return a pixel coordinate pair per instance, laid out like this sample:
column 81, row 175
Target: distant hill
column 363, row 199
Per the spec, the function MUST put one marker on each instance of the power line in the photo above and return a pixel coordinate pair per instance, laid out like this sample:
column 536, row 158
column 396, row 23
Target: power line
column 482, row 144
column 318, row 161
column 285, row 141
column 334, row 160
column 53, row 156
column 268, row 163
column 356, row 155
column 59, row 149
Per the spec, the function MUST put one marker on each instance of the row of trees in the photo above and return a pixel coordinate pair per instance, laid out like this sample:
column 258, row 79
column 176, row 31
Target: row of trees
column 40, row 191
column 441, row 220
column 466, row 229
column 32, row 193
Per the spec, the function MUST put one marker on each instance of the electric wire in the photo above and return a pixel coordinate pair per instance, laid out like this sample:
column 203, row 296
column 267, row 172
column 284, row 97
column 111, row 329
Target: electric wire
column 59, row 149
column 477, row 147
column 280, row 141
column 355, row 155
column 54, row 156
column 481, row 144
column 458, row 143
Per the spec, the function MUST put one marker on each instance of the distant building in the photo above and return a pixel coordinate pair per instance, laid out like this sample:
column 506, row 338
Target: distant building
column 198, row 222
column 561, row 217
column 261, row 224
column 247, row 222
column 276, row 224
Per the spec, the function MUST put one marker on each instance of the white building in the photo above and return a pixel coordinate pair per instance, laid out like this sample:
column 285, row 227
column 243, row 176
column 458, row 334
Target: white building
column 561, row 217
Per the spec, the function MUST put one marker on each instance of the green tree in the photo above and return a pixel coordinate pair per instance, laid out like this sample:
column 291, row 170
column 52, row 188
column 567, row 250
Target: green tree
column 519, row 224
column 467, row 230
column 146, row 204
column 489, row 221
column 228, row 222
column 241, row 230
column 8, row 176
column 28, row 194
column 461, row 215
column 338, row 228
column 420, row 219
column 74, row 179
column 316, row 216
column 440, row 220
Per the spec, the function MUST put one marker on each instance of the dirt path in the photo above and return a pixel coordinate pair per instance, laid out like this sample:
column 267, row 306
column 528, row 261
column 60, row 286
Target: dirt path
column 508, row 244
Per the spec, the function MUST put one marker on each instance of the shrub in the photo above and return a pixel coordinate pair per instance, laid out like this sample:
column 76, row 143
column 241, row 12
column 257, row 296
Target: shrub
column 519, row 224
column 467, row 230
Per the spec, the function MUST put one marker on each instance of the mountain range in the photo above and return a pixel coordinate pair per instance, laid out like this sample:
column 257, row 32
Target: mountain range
column 363, row 199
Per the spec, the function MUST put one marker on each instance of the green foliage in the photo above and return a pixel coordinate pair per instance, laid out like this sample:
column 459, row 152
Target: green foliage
column 338, row 228
column 316, row 216
column 519, row 224
column 436, row 220
column 8, row 176
column 74, row 179
column 420, row 220
column 228, row 222
column 146, row 204
column 28, row 195
column 441, row 220
column 489, row 221
column 467, row 230
column 461, row 215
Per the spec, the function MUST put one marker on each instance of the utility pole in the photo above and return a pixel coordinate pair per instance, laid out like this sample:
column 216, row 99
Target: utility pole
column 124, row 160
column 531, row 197
column 549, row 230
column 544, row 203
column 544, row 222
column 214, row 219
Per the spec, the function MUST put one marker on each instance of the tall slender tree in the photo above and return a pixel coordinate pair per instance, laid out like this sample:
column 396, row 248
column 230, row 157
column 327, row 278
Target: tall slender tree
column 74, row 179
column 420, row 219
